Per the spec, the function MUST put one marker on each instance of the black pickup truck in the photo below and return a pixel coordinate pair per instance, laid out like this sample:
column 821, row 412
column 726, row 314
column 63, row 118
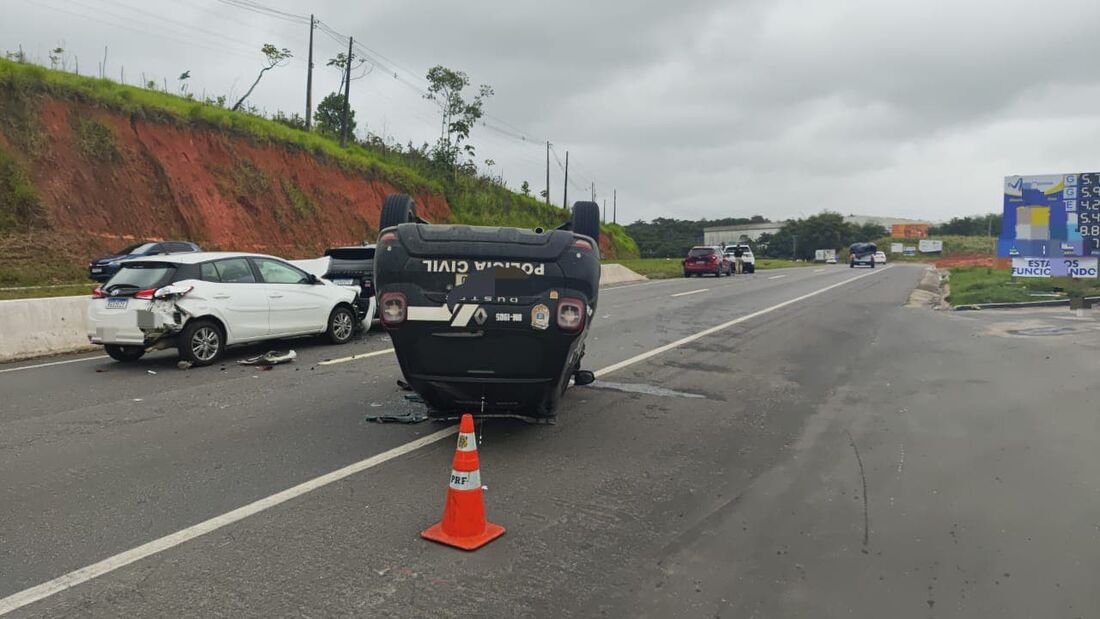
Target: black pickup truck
column 488, row 320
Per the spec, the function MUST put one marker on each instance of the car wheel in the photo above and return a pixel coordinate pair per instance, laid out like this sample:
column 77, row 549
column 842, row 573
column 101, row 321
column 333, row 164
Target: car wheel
column 341, row 325
column 125, row 354
column 586, row 219
column 398, row 208
column 686, row 274
column 201, row 342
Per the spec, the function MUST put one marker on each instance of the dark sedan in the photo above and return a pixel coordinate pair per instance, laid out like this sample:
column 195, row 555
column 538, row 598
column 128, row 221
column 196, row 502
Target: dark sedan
column 102, row 269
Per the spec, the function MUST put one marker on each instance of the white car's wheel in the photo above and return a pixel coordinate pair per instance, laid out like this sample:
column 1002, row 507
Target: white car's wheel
column 201, row 342
column 341, row 325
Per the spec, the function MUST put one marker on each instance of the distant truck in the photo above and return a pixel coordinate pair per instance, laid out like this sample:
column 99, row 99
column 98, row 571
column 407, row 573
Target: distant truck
column 823, row 255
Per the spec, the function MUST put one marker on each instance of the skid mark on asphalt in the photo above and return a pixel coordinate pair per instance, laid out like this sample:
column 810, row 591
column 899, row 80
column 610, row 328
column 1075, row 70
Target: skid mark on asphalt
column 863, row 477
column 644, row 389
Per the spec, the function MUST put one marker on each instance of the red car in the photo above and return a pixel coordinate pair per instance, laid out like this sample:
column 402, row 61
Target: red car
column 705, row 259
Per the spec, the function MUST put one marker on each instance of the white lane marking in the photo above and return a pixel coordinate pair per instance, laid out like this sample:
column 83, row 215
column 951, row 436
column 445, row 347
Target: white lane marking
column 776, row 276
column 691, row 338
column 684, row 294
column 43, row 365
column 110, row 564
column 84, row 574
column 355, row 357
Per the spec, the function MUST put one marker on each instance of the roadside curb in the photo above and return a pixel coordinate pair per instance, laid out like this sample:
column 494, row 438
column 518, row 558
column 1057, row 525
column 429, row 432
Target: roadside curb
column 1089, row 301
column 930, row 292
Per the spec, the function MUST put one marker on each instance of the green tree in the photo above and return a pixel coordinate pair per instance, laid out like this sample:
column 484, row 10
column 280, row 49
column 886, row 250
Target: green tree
column 525, row 188
column 273, row 57
column 978, row 225
column 457, row 114
column 329, row 116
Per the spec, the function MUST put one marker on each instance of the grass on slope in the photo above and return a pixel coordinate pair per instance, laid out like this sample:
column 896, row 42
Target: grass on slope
column 473, row 200
column 38, row 292
column 988, row 285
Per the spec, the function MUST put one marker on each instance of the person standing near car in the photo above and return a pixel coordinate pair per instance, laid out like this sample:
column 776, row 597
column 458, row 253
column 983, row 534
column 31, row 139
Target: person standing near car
column 738, row 255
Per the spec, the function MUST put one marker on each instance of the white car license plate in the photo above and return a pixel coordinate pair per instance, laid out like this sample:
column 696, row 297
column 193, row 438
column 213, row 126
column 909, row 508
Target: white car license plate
column 117, row 302
column 344, row 282
column 97, row 270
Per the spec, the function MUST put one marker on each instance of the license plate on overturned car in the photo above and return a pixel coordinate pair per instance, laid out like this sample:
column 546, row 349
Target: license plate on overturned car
column 117, row 302
column 344, row 282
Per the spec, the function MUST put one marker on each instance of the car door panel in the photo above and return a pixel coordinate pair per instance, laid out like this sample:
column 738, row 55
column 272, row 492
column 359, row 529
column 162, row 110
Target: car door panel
column 297, row 305
column 241, row 299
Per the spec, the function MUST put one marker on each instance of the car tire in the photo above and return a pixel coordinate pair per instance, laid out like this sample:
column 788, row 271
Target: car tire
column 686, row 274
column 201, row 342
column 341, row 325
column 586, row 219
column 124, row 354
column 397, row 208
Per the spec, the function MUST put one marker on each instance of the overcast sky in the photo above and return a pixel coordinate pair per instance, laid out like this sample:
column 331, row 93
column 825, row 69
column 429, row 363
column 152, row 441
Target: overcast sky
column 690, row 109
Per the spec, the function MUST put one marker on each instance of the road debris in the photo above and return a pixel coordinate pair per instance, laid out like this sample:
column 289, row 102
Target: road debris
column 270, row 358
column 185, row 365
column 151, row 372
column 409, row 417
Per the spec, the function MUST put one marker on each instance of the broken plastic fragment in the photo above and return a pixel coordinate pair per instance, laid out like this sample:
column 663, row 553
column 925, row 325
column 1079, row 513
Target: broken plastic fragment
column 271, row 357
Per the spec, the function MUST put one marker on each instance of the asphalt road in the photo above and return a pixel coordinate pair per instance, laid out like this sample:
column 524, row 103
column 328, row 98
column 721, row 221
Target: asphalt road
column 829, row 455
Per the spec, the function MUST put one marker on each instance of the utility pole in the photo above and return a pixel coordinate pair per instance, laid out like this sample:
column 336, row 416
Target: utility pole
column 565, row 191
column 309, row 75
column 547, row 172
column 605, row 210
column 347, row 101
column 614, row 206
column 593, row 191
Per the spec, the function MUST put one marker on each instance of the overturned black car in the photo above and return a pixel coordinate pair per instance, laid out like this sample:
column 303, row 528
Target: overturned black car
column 485, row 320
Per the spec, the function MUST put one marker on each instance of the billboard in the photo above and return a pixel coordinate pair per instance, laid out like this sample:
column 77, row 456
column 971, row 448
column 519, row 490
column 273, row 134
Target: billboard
column 1051, row 216
column 909, row 231
column 1047, row 267
column 928, row 246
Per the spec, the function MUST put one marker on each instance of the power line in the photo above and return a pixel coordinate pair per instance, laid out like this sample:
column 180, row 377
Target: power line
column 262, row 9
column 127, row 24
column 215, row 38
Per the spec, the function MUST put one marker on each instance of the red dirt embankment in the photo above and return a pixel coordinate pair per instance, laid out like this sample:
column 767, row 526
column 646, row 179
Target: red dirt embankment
column 965, row 260
column 159, row 181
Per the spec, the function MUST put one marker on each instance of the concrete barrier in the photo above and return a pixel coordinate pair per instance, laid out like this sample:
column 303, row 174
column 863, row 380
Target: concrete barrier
column 34, row 327
column 614, row 274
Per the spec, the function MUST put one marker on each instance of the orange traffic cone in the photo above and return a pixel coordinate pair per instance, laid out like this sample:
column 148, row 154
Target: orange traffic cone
column 463, row 525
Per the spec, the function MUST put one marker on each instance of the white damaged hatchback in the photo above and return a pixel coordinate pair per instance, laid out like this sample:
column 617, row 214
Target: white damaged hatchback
column 202, row 302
